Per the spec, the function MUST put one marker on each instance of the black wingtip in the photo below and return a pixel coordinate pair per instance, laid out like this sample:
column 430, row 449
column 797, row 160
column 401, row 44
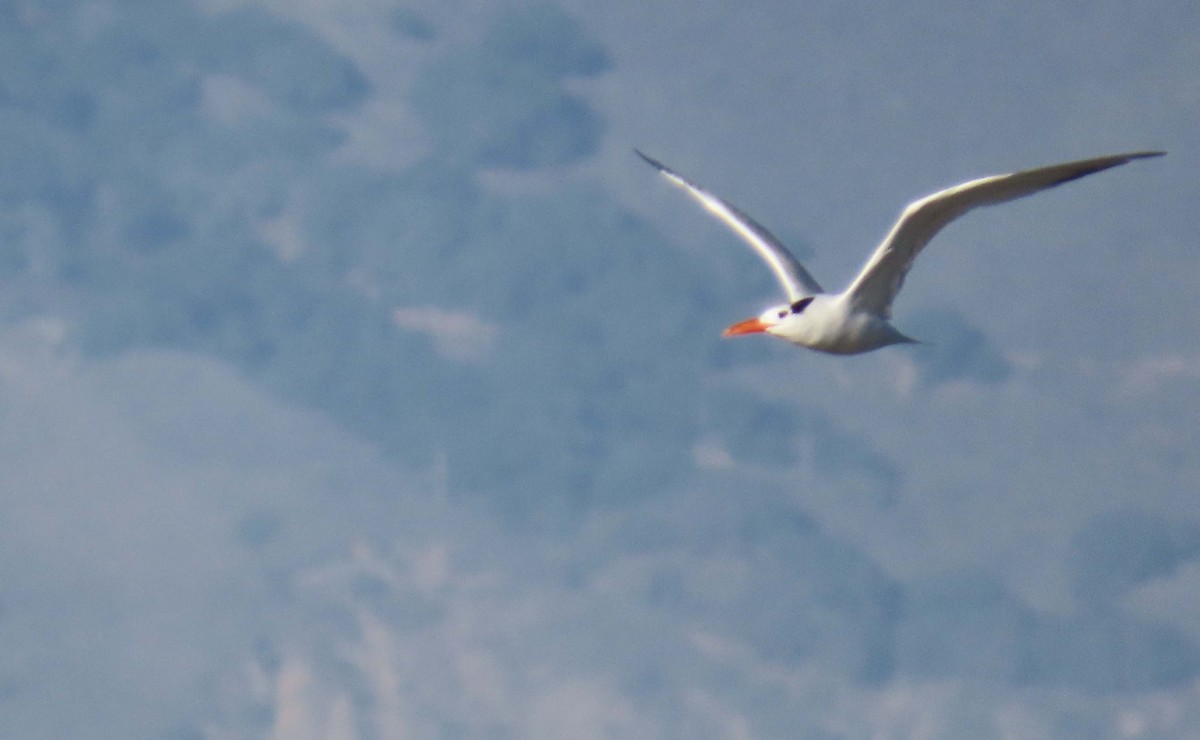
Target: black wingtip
column 651, row 161
column 1103, row 163
column 1140, row 155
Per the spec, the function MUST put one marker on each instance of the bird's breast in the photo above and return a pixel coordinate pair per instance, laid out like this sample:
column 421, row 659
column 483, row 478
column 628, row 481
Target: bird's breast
column 829, row 327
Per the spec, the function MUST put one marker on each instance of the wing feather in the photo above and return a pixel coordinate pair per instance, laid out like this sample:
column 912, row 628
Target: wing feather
column 881, row 278
column 788, row 271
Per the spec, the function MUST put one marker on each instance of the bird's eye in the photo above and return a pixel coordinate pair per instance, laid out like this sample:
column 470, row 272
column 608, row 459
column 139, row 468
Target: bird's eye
column 783, row 314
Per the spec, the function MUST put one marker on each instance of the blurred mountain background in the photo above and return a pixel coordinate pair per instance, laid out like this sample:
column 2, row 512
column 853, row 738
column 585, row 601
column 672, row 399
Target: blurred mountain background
column 356, row 381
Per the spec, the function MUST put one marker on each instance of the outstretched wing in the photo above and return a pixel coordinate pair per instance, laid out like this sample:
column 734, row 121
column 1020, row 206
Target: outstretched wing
column 791, row 274
column 879, row 281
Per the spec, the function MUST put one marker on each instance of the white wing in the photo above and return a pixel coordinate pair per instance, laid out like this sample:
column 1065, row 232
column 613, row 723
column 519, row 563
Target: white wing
column 877, row 284
column 790, row 273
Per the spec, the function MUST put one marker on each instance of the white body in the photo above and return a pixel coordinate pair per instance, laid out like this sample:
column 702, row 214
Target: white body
column 858, row 319
column 832, row 324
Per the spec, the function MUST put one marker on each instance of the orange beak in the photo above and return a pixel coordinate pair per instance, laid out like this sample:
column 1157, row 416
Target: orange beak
column 749, row 326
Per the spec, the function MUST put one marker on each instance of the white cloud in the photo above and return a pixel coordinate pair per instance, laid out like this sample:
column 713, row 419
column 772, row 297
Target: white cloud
column 125, row 480
column 457, row 335
column 710, row 454
column 32, row 353
column 284, row 234
column 230, row 100
column 1149, row 374
column 584, row 710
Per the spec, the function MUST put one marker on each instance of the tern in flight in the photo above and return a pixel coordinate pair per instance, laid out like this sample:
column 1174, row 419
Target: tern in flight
column 857, row 319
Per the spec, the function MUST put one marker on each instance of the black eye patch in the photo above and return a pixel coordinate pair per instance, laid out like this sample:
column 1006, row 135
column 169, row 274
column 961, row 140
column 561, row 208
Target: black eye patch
column 800, row 305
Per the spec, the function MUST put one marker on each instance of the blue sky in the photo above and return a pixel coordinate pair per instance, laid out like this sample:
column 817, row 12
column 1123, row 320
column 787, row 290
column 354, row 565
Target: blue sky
column 357, row 380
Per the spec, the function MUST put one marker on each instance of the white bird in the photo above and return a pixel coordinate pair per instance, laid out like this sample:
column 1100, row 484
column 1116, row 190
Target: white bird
column 857, row 319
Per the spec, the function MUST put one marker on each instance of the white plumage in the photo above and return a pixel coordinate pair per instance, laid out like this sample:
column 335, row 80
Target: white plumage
column 858, row 319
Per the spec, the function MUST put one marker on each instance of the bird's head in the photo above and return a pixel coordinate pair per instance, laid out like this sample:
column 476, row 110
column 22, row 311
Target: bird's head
column 768, row 320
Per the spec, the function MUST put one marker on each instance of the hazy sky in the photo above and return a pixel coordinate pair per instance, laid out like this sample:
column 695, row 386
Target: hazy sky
column 358, row 381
